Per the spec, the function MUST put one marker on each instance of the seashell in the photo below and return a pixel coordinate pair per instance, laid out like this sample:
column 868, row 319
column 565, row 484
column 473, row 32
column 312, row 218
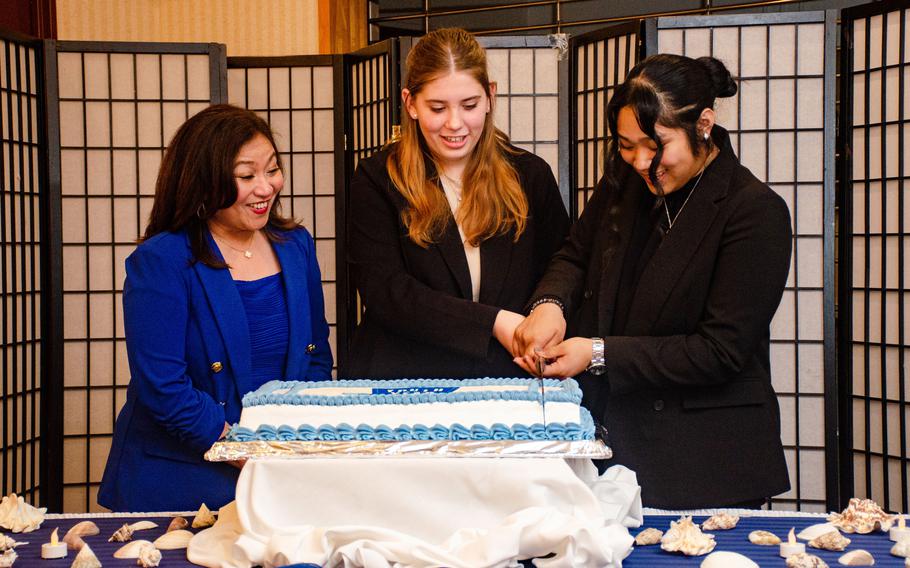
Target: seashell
column 763, row 538
column 906, row 561
column 901, row 548
column 18, row 516
column 720, row 522
column 813, row 531
column 204, row 518
column 648, row 536
column 122, row 534
column 142, row 525
column 73, row 537
column 177, row 523
column 7, row 558
column 862, row 516
column 685, row 536
column 148, row 557
column 858, row 557
column 132, row 549
column 804, row 560
column 86, row 558
column 724, row 559
column 173, row 540
column 7, row 543
column 830, row 541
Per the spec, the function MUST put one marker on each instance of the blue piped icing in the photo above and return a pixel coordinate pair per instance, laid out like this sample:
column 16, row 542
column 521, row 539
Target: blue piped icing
column 584, row 430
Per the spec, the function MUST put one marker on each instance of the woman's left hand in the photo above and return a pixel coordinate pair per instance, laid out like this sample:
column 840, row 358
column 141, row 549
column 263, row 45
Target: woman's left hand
column 568, row 359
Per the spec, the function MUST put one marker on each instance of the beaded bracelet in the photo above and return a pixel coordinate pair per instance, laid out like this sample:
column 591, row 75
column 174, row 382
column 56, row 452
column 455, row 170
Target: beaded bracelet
column 548, row 300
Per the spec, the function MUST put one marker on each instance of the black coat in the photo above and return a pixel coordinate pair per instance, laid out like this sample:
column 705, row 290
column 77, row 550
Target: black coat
column 420, row 320
column 687, row 397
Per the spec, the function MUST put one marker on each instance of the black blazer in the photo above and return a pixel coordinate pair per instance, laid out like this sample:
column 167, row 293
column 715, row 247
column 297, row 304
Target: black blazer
column 687, row 397
column 420, row 320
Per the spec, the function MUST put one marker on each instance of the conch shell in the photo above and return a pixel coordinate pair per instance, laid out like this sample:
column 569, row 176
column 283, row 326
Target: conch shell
column 7, row 558
column 830, row 541
column 18, row 516
column 648, row 536
column 73, row 538
column 858, row 557
column 204, row 518
column 685, row 536
column 86, row 558
column 804, row 560
column 720, row 522
column 149, row 556
column 173, row 540
column 862, row 516
column 177, row 523
column 7, row 543
column 763, row 538
column 123, row 534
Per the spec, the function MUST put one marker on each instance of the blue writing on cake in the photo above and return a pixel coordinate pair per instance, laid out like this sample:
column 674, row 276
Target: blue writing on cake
column 414, row 390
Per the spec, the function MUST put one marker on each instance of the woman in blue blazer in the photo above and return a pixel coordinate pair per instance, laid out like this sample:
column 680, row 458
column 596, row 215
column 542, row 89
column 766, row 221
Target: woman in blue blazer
column 222, row 295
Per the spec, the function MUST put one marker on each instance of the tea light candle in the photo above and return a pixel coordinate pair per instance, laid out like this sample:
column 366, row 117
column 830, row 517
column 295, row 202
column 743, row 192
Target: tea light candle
column 899, row 532
column 54, row 548
column 791, row 547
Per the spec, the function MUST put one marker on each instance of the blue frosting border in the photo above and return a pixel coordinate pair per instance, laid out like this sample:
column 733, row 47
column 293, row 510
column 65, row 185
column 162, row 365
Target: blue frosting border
column 567, row 391
column 584, row 430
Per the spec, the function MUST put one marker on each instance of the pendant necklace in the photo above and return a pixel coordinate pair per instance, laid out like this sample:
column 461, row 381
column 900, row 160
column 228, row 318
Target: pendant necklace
column 246, row 252
column 454, row 186
column 667, row 209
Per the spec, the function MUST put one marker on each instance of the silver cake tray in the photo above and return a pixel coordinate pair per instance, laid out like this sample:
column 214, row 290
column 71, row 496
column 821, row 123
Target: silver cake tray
column 230, row 451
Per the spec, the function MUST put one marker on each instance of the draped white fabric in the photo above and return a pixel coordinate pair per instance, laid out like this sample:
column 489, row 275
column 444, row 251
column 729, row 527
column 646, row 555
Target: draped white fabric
column 459, row 512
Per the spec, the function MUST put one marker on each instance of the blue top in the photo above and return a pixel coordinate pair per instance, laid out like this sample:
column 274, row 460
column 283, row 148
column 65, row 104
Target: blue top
column 267, row 318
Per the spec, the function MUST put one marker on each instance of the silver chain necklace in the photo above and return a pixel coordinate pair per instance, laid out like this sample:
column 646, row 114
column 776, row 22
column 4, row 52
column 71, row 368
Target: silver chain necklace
column 667, row 208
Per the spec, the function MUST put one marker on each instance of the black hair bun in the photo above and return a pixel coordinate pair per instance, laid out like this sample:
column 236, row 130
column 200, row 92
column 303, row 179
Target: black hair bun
column 724, row 85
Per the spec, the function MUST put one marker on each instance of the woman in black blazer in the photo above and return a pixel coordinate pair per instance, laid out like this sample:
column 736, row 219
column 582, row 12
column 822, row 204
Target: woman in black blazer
column 669, row 281
column 450, row 227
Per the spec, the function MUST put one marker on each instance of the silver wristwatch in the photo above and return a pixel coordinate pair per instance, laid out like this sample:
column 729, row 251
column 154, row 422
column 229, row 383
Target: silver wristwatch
column 598, row 364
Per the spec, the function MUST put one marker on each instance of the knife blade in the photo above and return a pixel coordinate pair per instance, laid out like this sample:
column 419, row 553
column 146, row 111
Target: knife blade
column 541, row 364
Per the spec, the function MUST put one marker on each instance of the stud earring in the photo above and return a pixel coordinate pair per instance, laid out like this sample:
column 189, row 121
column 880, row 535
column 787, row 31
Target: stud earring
column 707, row 134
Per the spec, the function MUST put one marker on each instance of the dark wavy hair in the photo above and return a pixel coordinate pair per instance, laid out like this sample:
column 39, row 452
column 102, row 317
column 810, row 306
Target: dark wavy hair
column 670, row 90
column 196, row 177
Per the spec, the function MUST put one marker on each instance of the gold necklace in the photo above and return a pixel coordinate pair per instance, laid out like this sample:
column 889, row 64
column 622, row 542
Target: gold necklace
column 246, row 252
column 456, row 187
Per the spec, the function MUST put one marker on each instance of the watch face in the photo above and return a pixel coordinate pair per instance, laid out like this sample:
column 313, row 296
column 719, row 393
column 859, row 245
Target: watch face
column 597, row 369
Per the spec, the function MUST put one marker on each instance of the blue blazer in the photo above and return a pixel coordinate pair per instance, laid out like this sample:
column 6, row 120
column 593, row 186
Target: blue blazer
column 188, row 345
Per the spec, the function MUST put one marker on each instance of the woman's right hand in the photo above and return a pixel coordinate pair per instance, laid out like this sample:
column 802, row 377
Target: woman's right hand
column 544, row 327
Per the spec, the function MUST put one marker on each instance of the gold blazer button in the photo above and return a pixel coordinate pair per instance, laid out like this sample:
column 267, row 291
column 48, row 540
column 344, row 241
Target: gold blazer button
column 217, row 366
column 310, row 348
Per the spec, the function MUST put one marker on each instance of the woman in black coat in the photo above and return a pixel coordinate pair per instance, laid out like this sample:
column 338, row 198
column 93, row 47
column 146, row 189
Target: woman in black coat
column 669, row 282
column 450, row 227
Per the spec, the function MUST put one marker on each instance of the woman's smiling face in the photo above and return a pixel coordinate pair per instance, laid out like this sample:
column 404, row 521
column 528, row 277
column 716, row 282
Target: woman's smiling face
column 677, row 164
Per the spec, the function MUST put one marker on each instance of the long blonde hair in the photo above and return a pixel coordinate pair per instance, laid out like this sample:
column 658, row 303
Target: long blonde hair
column 493, row 201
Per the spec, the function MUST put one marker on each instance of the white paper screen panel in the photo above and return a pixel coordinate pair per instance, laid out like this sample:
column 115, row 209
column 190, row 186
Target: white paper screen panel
column 777, row 127
column 118, row 110
column 879, row 138
column 20, row 277
column 297, row 102
column 600, row 65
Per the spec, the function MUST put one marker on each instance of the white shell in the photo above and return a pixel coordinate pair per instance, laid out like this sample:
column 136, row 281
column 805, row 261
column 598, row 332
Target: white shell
column 830, row 541
column 86, row 558
column 815, row 531
column 906, row 561
column 73, row 537
column 7, row 558
column 18, row 516
column 764, row 538
column 724, row 559
column 177, row 523
column 132, row 549
column 123, row 534
column 149, row 557
column 862, row 516
column 901, row 548
column 720, row 522
column 858, row 557
column 143, row 525
column 204, row 518
column 8, row 543
column 685, row 536
column 804, row 560
column 173, row 540
column 648, row 536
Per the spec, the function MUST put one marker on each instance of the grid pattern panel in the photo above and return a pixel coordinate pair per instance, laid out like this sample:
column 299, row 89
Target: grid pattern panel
column 527, row 95
column 777, row 127
column 877, row 70
column 20, row 277
column 370, row 105
column 601, row 61
column 297, row 101
column 118, row 110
